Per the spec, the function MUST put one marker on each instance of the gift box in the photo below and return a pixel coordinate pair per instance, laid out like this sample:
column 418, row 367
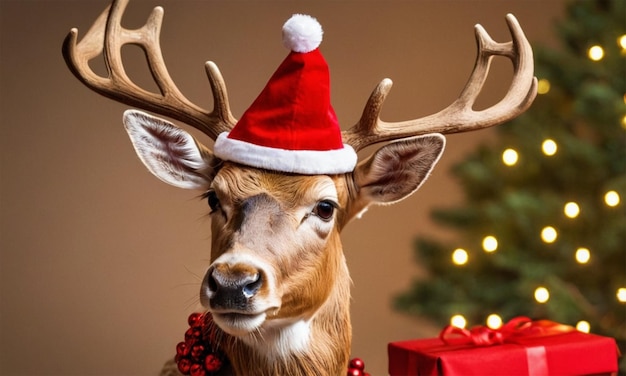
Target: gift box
column 520, row 347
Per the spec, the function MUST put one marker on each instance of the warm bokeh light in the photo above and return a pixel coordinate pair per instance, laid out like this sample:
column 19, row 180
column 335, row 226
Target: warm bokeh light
column 622, row 41
column 494, row 321
column 459, row 256
column 542, row 294
column 548, row 147
column 543, row 86
column 621, row 294
column 490, row 243
column 595, row 53
column 624, row 122
column 583, row 255
column 509, row 157
column 611, row 198
column 583, row 326
column 458, row 321
column 548, row 234
column 571, row 209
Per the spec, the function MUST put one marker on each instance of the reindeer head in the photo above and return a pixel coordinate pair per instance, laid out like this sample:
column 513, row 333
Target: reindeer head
column 278, row 282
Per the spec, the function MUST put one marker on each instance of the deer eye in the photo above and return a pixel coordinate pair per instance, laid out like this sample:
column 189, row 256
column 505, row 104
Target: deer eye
column 214, row 202
column 325, row 209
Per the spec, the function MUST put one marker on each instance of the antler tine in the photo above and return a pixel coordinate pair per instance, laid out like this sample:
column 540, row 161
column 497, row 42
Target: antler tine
column 107, row 37
column 221, row 106
column 458, row 116
column 367, row 130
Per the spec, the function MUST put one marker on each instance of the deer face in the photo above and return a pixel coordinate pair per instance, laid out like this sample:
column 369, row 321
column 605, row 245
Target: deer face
column 276, row 254
column 274, row 237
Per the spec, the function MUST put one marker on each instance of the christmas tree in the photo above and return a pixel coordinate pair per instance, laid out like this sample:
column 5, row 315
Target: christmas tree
column 542, row 230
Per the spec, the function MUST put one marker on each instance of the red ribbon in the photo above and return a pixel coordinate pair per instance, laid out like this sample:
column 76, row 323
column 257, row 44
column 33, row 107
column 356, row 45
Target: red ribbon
column 517, row 327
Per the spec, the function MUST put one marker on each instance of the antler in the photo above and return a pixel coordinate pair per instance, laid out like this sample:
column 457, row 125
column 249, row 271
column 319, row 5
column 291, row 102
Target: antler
column 459, row 116
column 107, row 37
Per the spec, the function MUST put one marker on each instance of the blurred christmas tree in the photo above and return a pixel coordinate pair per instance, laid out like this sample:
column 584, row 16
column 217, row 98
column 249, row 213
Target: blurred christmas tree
column 542, row 232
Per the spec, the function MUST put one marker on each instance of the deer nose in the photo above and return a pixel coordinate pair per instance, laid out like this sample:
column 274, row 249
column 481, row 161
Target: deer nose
column 231, row 286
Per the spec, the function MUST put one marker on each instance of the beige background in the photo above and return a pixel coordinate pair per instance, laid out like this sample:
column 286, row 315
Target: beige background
column 100, row 262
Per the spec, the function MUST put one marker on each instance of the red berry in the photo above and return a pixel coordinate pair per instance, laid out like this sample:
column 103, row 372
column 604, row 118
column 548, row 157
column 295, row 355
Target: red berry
column 189, row 336
column 184, row 365
column 197, row 370
column 195, row 320
column 192, row 336
column 357, row 363
column 354, row 372
column 196, row 351
column 212, row 363
column 182, row 349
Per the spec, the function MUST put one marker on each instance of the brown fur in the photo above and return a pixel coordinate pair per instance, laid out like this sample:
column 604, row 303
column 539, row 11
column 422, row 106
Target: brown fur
column 315, row 284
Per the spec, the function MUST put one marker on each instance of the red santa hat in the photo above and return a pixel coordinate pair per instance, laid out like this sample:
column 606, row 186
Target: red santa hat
column 291, row 126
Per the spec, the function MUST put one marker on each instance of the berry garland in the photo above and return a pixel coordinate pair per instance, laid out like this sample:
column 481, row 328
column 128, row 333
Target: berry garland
column 197, row 356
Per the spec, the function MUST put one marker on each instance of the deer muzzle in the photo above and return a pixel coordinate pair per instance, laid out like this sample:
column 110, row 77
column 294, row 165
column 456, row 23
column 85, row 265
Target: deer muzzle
column 232, row 287
column 239, row 294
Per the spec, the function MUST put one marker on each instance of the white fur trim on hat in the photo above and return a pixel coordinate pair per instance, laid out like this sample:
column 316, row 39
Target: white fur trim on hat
column 306, row 162
column 302, row 33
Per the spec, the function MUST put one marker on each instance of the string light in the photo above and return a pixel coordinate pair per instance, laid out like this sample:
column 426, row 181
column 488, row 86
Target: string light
column 571, row 209
column 494, row 321
column 509, row 157
column 583, row 326
column 490, row 243
column 583, row 255
column 543, row 86
column 621, row 294
column 622, row 41
column 611, row 198
column 458, row 321
column 459, row 256
column 548, row 234
column 549, row 147
column 542, row 294
column 595, row 53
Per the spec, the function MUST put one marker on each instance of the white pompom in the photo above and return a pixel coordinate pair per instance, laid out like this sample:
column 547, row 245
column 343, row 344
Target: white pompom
column 302, row 33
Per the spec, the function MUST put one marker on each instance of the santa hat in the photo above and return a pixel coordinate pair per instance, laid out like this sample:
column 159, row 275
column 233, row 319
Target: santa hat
column 291, row 126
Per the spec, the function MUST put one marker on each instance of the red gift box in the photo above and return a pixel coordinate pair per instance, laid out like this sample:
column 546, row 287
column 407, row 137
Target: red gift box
column 520, row 347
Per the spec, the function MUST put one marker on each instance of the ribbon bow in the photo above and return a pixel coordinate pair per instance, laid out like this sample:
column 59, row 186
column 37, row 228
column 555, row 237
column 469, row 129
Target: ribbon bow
column 484, row 336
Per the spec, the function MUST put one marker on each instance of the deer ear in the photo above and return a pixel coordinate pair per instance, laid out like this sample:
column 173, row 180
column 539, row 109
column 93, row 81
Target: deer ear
column 170, row 153
column 397, row 169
